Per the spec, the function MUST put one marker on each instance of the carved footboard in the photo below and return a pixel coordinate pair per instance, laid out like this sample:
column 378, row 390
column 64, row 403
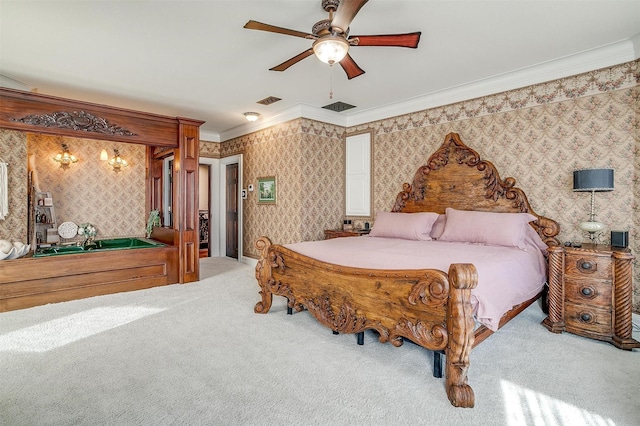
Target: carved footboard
column 429, row 307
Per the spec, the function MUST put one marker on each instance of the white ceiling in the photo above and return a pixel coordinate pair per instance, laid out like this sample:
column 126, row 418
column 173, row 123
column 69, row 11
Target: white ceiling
column 194, row 59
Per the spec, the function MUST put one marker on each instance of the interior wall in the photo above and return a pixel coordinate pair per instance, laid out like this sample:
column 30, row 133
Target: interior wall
column 307, row 159
column 203, row 187
column 209, row 149
column 13, row 151
column 538, row 134
column 90, row 191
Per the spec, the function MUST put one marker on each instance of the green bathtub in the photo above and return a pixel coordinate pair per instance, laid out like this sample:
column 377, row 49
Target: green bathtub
column 99, row 245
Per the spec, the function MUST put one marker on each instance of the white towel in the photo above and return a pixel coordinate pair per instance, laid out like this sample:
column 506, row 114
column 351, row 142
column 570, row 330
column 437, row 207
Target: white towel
column 4, row 191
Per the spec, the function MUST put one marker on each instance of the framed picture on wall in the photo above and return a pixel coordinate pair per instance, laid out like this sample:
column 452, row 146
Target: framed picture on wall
column 267, row 190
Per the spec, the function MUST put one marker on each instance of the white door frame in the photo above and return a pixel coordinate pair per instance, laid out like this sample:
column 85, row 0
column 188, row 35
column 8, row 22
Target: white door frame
column 234, row 159
column 214, row 197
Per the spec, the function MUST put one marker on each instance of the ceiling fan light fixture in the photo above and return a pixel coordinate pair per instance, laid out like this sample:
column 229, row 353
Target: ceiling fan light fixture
column 331, row 49
column 251, row 116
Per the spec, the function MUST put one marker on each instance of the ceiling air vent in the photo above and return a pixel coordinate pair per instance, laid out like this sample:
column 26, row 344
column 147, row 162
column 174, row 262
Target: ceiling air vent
column 338, row 106
column 268, row 101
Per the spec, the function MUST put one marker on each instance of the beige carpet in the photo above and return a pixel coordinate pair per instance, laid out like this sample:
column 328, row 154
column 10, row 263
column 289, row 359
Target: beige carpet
column 196, row 354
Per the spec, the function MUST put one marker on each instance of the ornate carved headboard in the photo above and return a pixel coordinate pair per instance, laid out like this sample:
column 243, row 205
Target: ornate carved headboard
column 456, row 177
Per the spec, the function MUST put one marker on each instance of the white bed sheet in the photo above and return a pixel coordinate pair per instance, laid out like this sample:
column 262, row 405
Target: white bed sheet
column 506, row 276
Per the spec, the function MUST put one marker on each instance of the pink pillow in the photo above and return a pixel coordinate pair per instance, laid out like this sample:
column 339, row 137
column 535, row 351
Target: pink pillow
column 498, row 229
column 408, row 226
column 438, row 227
column 531, row 238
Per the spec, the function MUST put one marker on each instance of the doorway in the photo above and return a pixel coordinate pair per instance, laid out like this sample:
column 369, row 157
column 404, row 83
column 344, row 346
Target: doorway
column 204, row 209
column 231, row 210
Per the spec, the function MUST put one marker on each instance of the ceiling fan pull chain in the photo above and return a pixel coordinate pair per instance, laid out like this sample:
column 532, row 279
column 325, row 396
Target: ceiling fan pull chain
column 330, row 81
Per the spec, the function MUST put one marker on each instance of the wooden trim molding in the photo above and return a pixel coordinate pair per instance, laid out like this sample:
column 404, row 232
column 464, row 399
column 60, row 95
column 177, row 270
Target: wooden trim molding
column 76, row 120
column 37, row 113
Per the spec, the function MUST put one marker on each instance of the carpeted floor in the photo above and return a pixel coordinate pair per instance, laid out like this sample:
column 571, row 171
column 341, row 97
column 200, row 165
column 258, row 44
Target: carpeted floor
column 197, row 354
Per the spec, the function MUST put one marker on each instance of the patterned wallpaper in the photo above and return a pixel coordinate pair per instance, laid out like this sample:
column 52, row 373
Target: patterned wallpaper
column 537, row 134
column 13, row 151
column 209, row 149
column 307, row 159
column 90, row 191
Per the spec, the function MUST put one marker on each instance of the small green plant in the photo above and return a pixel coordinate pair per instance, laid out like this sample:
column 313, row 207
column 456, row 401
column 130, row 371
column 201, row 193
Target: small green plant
column 154, row 220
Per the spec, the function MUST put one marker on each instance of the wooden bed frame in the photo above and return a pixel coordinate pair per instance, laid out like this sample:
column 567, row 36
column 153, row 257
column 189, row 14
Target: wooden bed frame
column 429, row 307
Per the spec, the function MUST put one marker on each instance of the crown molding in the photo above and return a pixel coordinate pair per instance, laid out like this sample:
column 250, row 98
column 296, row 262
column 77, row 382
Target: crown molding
column 11, row 83
column 590, row 60
column 292, row 113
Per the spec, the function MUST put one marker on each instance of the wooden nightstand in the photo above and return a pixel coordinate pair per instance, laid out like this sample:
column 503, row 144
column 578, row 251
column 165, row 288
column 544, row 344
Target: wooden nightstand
column 337, row 233
column 590, row 291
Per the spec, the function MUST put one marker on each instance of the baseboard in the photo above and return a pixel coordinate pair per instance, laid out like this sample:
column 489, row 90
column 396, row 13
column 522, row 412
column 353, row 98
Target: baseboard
column 253, row 262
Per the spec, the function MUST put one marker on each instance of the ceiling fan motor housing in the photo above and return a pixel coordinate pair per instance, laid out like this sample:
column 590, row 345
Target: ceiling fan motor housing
column 321, row 28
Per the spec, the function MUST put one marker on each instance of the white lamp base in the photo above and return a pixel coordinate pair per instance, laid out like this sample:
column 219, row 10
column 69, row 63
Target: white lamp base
column 593, row 228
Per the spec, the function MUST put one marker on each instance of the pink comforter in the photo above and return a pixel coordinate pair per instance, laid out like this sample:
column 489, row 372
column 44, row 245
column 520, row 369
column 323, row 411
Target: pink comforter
column 506, row 276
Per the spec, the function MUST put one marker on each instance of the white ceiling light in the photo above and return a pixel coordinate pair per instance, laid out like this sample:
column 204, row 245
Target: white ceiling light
column 331, row 49
column 251, row 116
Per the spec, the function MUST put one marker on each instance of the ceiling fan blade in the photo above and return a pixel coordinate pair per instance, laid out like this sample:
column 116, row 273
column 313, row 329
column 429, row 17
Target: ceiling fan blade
column 255, row 25
column 394, row 40
column 286, row 64
column 350, row 67
column 347, row 10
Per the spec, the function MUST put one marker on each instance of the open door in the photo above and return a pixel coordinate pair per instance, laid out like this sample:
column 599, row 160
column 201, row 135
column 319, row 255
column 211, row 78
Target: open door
column 231, row 207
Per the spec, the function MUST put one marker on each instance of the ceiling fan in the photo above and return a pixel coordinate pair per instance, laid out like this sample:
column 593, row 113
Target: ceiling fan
column 332, row 40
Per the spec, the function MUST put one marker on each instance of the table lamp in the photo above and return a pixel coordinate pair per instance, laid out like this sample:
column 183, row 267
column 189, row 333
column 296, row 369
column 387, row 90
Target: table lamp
column 592, row 180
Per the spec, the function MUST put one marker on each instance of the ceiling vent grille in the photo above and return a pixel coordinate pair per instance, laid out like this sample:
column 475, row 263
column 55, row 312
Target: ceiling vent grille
column 338, row 106
column 270, row 100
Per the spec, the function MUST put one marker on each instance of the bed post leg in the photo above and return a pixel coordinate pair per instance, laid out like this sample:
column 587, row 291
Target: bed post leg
column 437, row 364
column 263, row 275
column 360, row 337
column 462, row 278
column 289, row 310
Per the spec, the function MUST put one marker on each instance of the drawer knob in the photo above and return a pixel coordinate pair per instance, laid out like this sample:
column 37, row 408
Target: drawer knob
column 586, row 291
column 585, row 317
column 586, row 266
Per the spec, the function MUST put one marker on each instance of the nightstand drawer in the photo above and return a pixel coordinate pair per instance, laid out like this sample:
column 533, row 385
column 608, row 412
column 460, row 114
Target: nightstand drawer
column 584, row 265
column 589, row 292
column 583, row 319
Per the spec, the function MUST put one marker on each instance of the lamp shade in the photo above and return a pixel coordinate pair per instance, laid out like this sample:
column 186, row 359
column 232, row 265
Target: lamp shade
column 598, row 180
column 331, row 49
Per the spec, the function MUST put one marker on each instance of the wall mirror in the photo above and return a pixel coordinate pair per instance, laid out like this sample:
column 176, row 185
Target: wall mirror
column 359, row 175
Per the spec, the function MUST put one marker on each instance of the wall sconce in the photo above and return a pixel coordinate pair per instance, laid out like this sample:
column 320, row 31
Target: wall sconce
column 593, row 180
column 117, row 162
column 65, row 158
column 251, row 116
column 103, row 155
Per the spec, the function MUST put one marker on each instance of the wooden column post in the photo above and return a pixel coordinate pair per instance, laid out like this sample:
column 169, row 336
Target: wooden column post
column 186, row 161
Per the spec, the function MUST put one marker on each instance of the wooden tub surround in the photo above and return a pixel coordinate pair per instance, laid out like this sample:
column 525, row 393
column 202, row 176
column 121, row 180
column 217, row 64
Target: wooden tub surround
column 430, row 307
column 30, row 281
